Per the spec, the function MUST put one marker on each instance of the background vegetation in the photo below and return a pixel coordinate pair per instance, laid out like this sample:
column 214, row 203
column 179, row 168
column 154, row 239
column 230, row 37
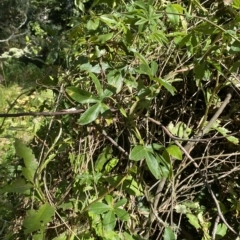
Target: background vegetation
column 149, row 146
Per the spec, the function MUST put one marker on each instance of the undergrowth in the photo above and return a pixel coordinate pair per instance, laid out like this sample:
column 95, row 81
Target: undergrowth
column 152, row 151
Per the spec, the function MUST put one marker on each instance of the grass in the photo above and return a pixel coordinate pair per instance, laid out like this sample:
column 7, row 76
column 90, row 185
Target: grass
column 16, row 78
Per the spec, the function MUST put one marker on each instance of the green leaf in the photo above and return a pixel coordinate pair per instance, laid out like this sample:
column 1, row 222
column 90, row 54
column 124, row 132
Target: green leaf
column 110, row 20
column 94, row 69
column 224, row 131
column 233, row 140
column 159, row 36
column 165, row 84
column 193, row 220
column 141, row 4
column 144, row 69
column 180, row 208
column 81, row 96
column 156, row 146
column 80, row 5
column 120, row 203
column 110, row 3
column 108, row 235
column 111, row 164
column 132, row 187
column 62, row 236
column 141, row 21
column 153, row 165
column 66, row 205
column 221, row 231
column 142, row 59
column 30, row 162
column 36, row 219
column 109, row 221
column 168, row 234
column 104, row 37
column 115, row 79
column 235, row 47
column 110, row 201
column 172, row 13
column 175, row 152
column 97, row 83
column 93, row 24
column 137, row 153
column 99, row 208
column 181, row 129
column 98, row 69
column 165, row 163
column 103, row 157
column 52, row 57
column 39, row 235
column 149, row 148
column 236, row 4
column 127, row 236
column 199, row 70
column 90, row 115
column 154, row 68
column 108, row 92
column 17, row 186
column 122, row 214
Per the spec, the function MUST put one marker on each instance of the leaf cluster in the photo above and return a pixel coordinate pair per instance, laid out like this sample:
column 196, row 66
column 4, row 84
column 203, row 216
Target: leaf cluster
column 110, row 172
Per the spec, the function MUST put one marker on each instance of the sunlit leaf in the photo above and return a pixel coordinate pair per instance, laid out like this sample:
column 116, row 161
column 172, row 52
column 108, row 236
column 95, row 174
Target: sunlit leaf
column 235, row 3
column 193, row 220
column 90, row 114
column 98, row 208
column 104, row 37
column 112, row 163
column 172, row 13
column 142, row 58
column 166, row 85
column 154, row 68
column 180, row 208
column 221, row 231
column 120, row 203
column 131, row 186
column 62, row 236
column 110, row 201
column 35, row 219
column 141, row 21
column 174, row 151
column 138, row 153
column 159, row 36
column 81, row 96
column 93, row 24
column 94, row 69
column 233, row 140
column 121, row 214
column 115, row 79
column 235, row 47
column 168, row 234
column 103, row 157
column 97, row 83
column 180, row 129
column 141, row 4
column 80, row 5
column 109, row 20
column 109, row 221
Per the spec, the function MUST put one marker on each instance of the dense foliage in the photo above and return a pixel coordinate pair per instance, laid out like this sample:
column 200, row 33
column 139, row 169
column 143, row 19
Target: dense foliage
column 149, row 146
